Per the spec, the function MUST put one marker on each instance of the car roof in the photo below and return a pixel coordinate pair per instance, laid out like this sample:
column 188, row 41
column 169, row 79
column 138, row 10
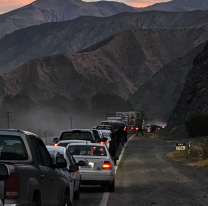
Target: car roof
column 91, row 144
column 78, row 130
column 72, row 141
column 16, row 130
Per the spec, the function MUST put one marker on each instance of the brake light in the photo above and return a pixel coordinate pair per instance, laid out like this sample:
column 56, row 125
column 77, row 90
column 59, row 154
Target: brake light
column 56, row 144
column 132, row 127
column 125, row 128
column 102, row 142
column 107, row 165
column 12, row 187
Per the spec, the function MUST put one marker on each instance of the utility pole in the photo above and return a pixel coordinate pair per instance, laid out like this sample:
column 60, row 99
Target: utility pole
column 8, row 118
column 46, row 138
column 71, row 123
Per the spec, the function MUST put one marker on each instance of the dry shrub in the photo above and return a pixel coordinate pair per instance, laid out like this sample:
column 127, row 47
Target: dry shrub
column 177, row 155
column 196, row 152
column 202, row 163
column 205, row 148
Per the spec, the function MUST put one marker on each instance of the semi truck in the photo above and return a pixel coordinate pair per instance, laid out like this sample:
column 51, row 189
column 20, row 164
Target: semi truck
column 130, row 118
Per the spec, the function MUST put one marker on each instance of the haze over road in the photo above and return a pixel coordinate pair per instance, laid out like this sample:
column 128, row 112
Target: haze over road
column 145, row 176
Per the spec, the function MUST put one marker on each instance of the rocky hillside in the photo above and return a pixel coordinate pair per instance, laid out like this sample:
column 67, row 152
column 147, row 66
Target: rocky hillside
column 178, row 5
column 73, row 36
column 110, row 67
column 194, row 96
column 44, row 11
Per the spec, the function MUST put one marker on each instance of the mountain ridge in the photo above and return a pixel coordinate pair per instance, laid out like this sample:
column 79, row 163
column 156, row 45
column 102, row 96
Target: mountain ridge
column 70, row 36
column 112, row 67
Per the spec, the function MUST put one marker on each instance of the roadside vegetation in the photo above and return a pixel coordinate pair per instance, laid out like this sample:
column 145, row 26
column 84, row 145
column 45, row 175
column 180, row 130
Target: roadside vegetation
column 197, row 155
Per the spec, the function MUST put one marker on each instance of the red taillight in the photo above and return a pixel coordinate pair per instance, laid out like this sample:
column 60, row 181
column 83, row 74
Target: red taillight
column 107, row 165
column 125, row 128
column 132, row 127
column 102, row 142
column 12, row 187
column 56, row 144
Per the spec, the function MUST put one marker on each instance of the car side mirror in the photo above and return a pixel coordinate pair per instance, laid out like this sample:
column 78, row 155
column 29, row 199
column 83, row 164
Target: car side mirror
column 61, row 162
column 81, row 163
column 4, row 172
column 73, row 168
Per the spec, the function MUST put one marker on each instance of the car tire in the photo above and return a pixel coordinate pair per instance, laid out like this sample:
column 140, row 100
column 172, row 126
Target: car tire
column 77, row 193
column 67, row 201
column 111, row 187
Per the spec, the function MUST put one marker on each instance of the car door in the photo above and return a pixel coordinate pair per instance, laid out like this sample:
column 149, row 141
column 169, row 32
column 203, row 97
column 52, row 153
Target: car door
column 44, row 176
column 76, row 175
column 55, row 175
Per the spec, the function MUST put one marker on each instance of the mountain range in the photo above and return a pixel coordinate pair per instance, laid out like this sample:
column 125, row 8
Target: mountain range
column 178, row 5
column 76, row 35
column 119, row 65
column 43, row 11
column 141, row 57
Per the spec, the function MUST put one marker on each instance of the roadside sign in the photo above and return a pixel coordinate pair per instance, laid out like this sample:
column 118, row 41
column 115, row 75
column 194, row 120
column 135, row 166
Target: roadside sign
column 180, row 146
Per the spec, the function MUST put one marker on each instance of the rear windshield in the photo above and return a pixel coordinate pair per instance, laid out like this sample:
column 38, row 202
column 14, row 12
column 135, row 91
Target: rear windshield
column 116, row 126
column 12, row 148
column 63, row 144
column 104, row 123
column 87, row 150
column 103, row 127
column 81, row 135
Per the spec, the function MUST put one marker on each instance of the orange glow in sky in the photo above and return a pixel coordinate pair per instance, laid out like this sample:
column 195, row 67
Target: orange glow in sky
column 8, row 5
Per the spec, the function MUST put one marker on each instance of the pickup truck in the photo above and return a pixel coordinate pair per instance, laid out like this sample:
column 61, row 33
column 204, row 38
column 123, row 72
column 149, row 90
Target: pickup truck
column 34, row 180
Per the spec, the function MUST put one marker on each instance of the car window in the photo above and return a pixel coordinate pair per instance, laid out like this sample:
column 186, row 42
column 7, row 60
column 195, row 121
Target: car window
column 45, row 154
column 63, row 144
column 87, row 150
column 96, row 135
column 35, row 147
column 12, row 148
column 82, row 135
column 71, row 161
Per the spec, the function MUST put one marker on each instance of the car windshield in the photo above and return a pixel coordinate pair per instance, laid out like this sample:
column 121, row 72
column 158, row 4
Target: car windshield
column 87, row 150
column 12, row 148
column 78, row 135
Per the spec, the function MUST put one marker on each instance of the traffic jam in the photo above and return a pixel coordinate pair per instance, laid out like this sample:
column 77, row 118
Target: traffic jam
column 35, row 174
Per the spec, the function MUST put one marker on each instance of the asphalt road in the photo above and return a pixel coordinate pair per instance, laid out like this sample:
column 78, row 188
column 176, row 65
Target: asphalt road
column 145, row 176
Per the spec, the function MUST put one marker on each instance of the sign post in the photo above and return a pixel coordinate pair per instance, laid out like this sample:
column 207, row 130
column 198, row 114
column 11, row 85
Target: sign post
column 180, row 146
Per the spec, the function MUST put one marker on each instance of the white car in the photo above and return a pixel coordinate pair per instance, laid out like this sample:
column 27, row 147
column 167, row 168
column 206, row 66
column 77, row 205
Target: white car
column 74, row 178
column 99, row 167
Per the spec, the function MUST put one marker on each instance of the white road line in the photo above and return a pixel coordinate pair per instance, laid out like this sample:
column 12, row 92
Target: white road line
column 105, row 196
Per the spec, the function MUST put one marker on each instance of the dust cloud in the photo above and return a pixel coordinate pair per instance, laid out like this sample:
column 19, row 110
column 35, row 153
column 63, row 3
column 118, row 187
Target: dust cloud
column 49, row 122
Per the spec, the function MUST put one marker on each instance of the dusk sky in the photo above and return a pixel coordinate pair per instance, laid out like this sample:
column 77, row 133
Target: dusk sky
column 8, row 5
